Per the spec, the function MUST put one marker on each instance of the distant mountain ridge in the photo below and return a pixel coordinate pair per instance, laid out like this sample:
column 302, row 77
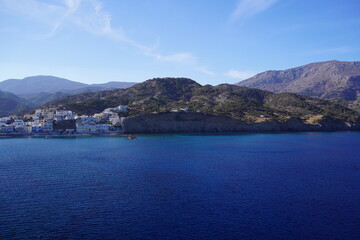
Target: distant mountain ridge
column 38, row 84
column 331, row 80
column 12, row 104
column 40, row 89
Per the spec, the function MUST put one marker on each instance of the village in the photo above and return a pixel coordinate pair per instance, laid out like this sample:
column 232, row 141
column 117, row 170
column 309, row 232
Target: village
column 50, row 121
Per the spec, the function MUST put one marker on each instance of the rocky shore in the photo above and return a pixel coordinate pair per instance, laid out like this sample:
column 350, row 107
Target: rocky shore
column 183, row 122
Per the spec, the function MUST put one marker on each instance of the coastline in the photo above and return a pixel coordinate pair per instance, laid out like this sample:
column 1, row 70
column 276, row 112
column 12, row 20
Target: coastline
column 55, row 135
column 200, row 123
column 162, row 123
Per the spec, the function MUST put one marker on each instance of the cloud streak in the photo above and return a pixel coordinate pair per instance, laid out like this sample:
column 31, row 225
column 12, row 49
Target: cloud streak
column 90, row 16
column 249, row 8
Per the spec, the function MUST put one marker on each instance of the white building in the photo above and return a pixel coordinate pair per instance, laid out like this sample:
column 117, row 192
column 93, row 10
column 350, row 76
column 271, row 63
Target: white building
column 6, row 128
column 114, row 119
column 63, row 114
column 47, row 113
column 36, row 119
column 116, row 109
column 28, row 128
column 86, row 128
column 47, row 125
column 121, row 109
column 86, row 125
column 36, row 128
column 101, row 116
column 23, row 129
column 88, row 119
column 102, row 128
column 4, row 120
column 18, row 123
column 38, row 113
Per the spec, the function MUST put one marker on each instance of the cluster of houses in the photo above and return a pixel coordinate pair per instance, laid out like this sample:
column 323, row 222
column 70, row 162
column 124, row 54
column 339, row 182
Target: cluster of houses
column 54, row 120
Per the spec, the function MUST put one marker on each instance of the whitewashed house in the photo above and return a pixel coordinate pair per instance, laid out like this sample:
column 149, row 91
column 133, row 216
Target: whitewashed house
column 114, row 119
column 36, row 128
column 47, row 125
column 63, row 114
column 4, row 120
column 116, row 109
column 6, row 128
column 102, row 128
column 18, row 123
column 85, row 126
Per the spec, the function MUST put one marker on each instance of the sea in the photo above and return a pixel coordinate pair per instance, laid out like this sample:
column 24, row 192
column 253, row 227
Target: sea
column 182, row 186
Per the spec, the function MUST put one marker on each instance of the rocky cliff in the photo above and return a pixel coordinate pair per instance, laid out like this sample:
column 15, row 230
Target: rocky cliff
column 183, row 122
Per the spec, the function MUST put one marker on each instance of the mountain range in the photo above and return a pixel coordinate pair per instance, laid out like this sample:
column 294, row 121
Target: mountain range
column 38, row 90
column 329, row 80
column 174, row 94
column 50, row 84
column 302, row 92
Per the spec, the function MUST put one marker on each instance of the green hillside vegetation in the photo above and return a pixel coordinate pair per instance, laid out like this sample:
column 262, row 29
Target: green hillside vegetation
column 41, row 98
column 166, row 94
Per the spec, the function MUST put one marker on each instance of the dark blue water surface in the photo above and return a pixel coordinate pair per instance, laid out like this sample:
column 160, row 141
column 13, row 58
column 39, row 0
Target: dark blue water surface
column 251, row 186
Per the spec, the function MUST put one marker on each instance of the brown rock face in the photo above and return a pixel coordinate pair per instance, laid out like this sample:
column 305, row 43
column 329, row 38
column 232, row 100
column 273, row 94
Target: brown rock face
column 332, row 79
column 201, row 123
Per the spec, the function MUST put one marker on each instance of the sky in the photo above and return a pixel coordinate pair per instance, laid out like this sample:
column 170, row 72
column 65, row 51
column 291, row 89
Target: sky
column 209, row 41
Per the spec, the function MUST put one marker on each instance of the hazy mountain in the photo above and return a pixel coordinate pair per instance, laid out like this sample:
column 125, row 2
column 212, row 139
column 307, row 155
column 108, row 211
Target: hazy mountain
column 12, row 104
column 39, row 84
column 332, row 79
column 165, row 94
column 41, row 89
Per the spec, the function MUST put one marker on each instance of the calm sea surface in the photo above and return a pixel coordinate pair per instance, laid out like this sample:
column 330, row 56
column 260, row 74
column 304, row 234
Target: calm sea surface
column 251, row 186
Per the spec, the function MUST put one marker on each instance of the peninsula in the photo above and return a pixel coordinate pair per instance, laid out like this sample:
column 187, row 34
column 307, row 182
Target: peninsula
column 181, row 105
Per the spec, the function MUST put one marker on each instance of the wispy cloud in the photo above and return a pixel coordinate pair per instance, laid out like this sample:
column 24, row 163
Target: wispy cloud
column 248, row 8
column 72, row 7
column 34, row 10
column 90, row 16
column 241, row 75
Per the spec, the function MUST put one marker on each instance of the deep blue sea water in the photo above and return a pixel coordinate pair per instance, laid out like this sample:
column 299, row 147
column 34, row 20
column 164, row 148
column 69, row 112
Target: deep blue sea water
column 249, row 186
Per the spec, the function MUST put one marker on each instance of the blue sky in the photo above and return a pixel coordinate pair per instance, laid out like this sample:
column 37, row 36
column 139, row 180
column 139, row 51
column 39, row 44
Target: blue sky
column 210, row 41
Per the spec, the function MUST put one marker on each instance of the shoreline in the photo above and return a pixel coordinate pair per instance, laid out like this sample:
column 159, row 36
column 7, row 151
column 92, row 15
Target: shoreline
column 134, row 136
column 54, row 135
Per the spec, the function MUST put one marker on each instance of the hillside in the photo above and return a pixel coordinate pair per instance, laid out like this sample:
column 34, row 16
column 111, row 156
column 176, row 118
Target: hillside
column 330, row 80
column 166, row 94
column 112, row 85
column 12, row 104
column 41, row 89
